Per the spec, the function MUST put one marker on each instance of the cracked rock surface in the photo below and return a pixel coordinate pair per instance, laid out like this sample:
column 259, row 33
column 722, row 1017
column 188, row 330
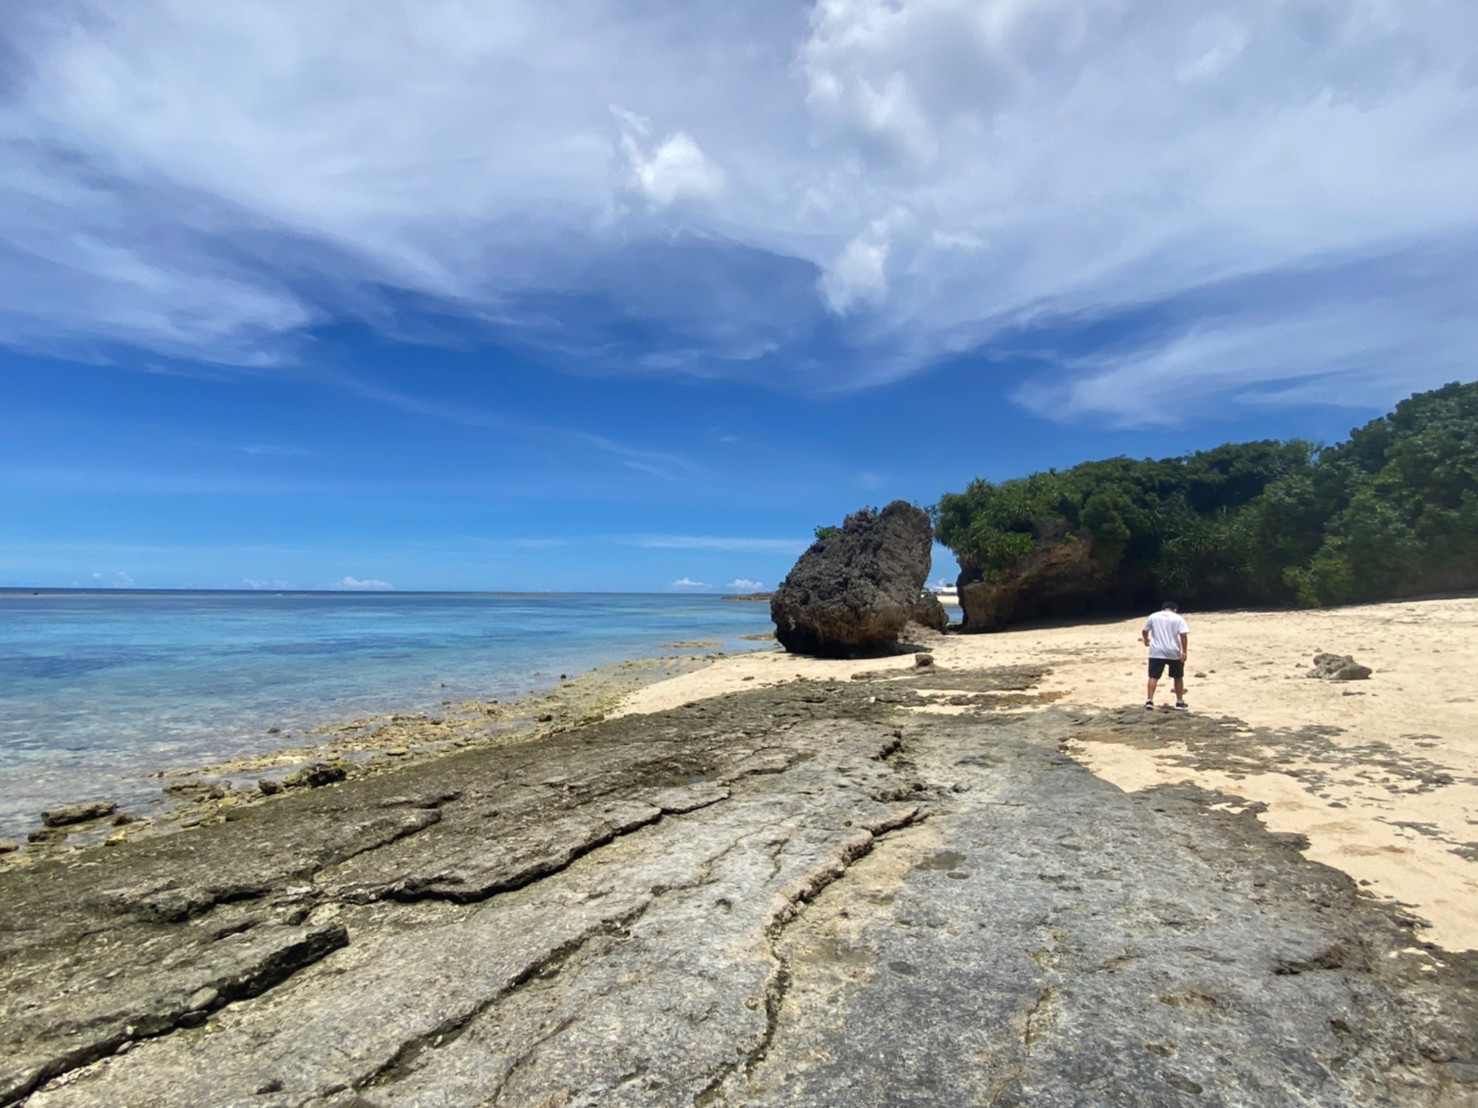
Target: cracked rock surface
column 802, row 895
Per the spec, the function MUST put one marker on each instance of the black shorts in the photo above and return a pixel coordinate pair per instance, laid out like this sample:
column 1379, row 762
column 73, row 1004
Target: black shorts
column 1177, row 667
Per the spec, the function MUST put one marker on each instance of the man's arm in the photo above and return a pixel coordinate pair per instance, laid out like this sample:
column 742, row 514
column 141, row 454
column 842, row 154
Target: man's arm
column 1184, row 639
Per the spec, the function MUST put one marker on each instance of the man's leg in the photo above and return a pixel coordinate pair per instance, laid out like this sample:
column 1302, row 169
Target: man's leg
column 1177, row 671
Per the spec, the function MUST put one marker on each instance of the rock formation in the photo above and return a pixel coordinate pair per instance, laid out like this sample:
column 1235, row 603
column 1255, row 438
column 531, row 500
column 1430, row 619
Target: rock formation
column 852, row 592
column 1058, row 578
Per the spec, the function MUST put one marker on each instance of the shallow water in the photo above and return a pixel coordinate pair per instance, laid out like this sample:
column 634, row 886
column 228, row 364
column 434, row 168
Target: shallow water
column 98, row 689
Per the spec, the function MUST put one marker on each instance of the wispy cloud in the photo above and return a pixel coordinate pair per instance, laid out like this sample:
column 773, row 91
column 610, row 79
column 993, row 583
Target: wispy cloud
column 656, row 463
column 123, row 481
column 745, row 584
column 716, row 542
column 121, row 579
column 686, row 583
column 366, row 584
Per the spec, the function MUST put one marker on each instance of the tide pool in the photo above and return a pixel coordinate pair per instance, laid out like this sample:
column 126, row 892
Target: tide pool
column 99, row 689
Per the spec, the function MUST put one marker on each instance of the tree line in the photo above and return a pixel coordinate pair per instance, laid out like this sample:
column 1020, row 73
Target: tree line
column 1391, row 512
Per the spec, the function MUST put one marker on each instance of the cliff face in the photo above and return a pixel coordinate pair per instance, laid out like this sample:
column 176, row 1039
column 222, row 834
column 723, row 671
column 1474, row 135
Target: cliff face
column 1059, row 578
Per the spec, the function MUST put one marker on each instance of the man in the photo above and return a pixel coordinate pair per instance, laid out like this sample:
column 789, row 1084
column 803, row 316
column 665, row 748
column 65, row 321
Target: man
column 1166, row 634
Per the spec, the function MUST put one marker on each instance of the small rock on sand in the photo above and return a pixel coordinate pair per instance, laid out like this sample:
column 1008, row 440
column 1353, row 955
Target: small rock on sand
column 1338, row 667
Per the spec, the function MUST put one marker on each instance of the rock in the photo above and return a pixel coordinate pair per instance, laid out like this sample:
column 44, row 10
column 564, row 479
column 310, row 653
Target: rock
column 853, row 591
column 782, row 898
column 1058, row 578
column 9, row 846
column 202, row 998
column 316, row 776
column 928, row 611
column 77, row 813
column 269, row 787
column 923, row 660
column 1338, row 667
column 197, row 790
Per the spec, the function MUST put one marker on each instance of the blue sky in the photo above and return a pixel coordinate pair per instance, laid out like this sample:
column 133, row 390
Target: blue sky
column 633, row 296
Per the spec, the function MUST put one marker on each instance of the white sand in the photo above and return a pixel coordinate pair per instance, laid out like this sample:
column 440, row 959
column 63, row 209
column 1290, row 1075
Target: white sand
column 1385, row 813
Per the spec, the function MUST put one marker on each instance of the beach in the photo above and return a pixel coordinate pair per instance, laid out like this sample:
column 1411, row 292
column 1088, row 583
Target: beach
column 977, row 870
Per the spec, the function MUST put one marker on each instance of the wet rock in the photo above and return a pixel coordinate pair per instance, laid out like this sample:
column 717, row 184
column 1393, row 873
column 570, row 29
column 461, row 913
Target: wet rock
column 316, row 776
column 853, row 591
column 268, row 787
column 196, row 790
column 77, row 813
column 1338, row 667
column 9, row 846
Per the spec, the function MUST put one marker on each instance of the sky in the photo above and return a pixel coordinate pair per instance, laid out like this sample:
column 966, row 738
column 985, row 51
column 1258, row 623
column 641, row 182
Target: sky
column 635, row 294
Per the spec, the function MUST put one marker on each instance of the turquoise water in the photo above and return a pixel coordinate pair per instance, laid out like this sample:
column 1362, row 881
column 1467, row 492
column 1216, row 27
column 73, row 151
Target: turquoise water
column 99, row 689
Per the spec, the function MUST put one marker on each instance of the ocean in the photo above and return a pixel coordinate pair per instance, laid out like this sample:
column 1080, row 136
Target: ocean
column 100, row 689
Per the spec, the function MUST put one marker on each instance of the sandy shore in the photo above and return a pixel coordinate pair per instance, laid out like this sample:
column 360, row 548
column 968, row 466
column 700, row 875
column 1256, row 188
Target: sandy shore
column 1378, row 775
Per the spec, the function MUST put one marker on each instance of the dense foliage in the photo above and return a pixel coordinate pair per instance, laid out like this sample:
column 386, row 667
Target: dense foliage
column 1393, row 511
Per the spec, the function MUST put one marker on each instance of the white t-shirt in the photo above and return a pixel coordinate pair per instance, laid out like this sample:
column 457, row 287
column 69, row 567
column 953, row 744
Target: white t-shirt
column 1165, row 628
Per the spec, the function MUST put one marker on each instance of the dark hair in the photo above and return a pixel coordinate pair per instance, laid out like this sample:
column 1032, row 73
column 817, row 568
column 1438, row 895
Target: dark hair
column 1170, row 605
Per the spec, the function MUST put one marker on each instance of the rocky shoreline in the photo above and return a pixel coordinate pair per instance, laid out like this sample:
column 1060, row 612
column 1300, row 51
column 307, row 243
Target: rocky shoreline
column 812, row 893
column 348, row 749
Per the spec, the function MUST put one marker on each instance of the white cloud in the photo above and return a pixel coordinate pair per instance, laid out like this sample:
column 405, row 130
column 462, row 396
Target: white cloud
column 356, row 583
column 717, row 542
column 683, row 583
column 859, row 275
column 675, row 169
column 744, row 584
column 941, row 174
column 266, row 583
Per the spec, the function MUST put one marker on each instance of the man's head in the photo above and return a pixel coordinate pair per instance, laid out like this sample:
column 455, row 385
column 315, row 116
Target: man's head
column 1169, row 606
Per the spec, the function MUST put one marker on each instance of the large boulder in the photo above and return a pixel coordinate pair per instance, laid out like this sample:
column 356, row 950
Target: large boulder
column 851, row 593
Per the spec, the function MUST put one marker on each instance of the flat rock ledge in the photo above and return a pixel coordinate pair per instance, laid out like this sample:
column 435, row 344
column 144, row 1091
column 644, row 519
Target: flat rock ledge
column 809, row 895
